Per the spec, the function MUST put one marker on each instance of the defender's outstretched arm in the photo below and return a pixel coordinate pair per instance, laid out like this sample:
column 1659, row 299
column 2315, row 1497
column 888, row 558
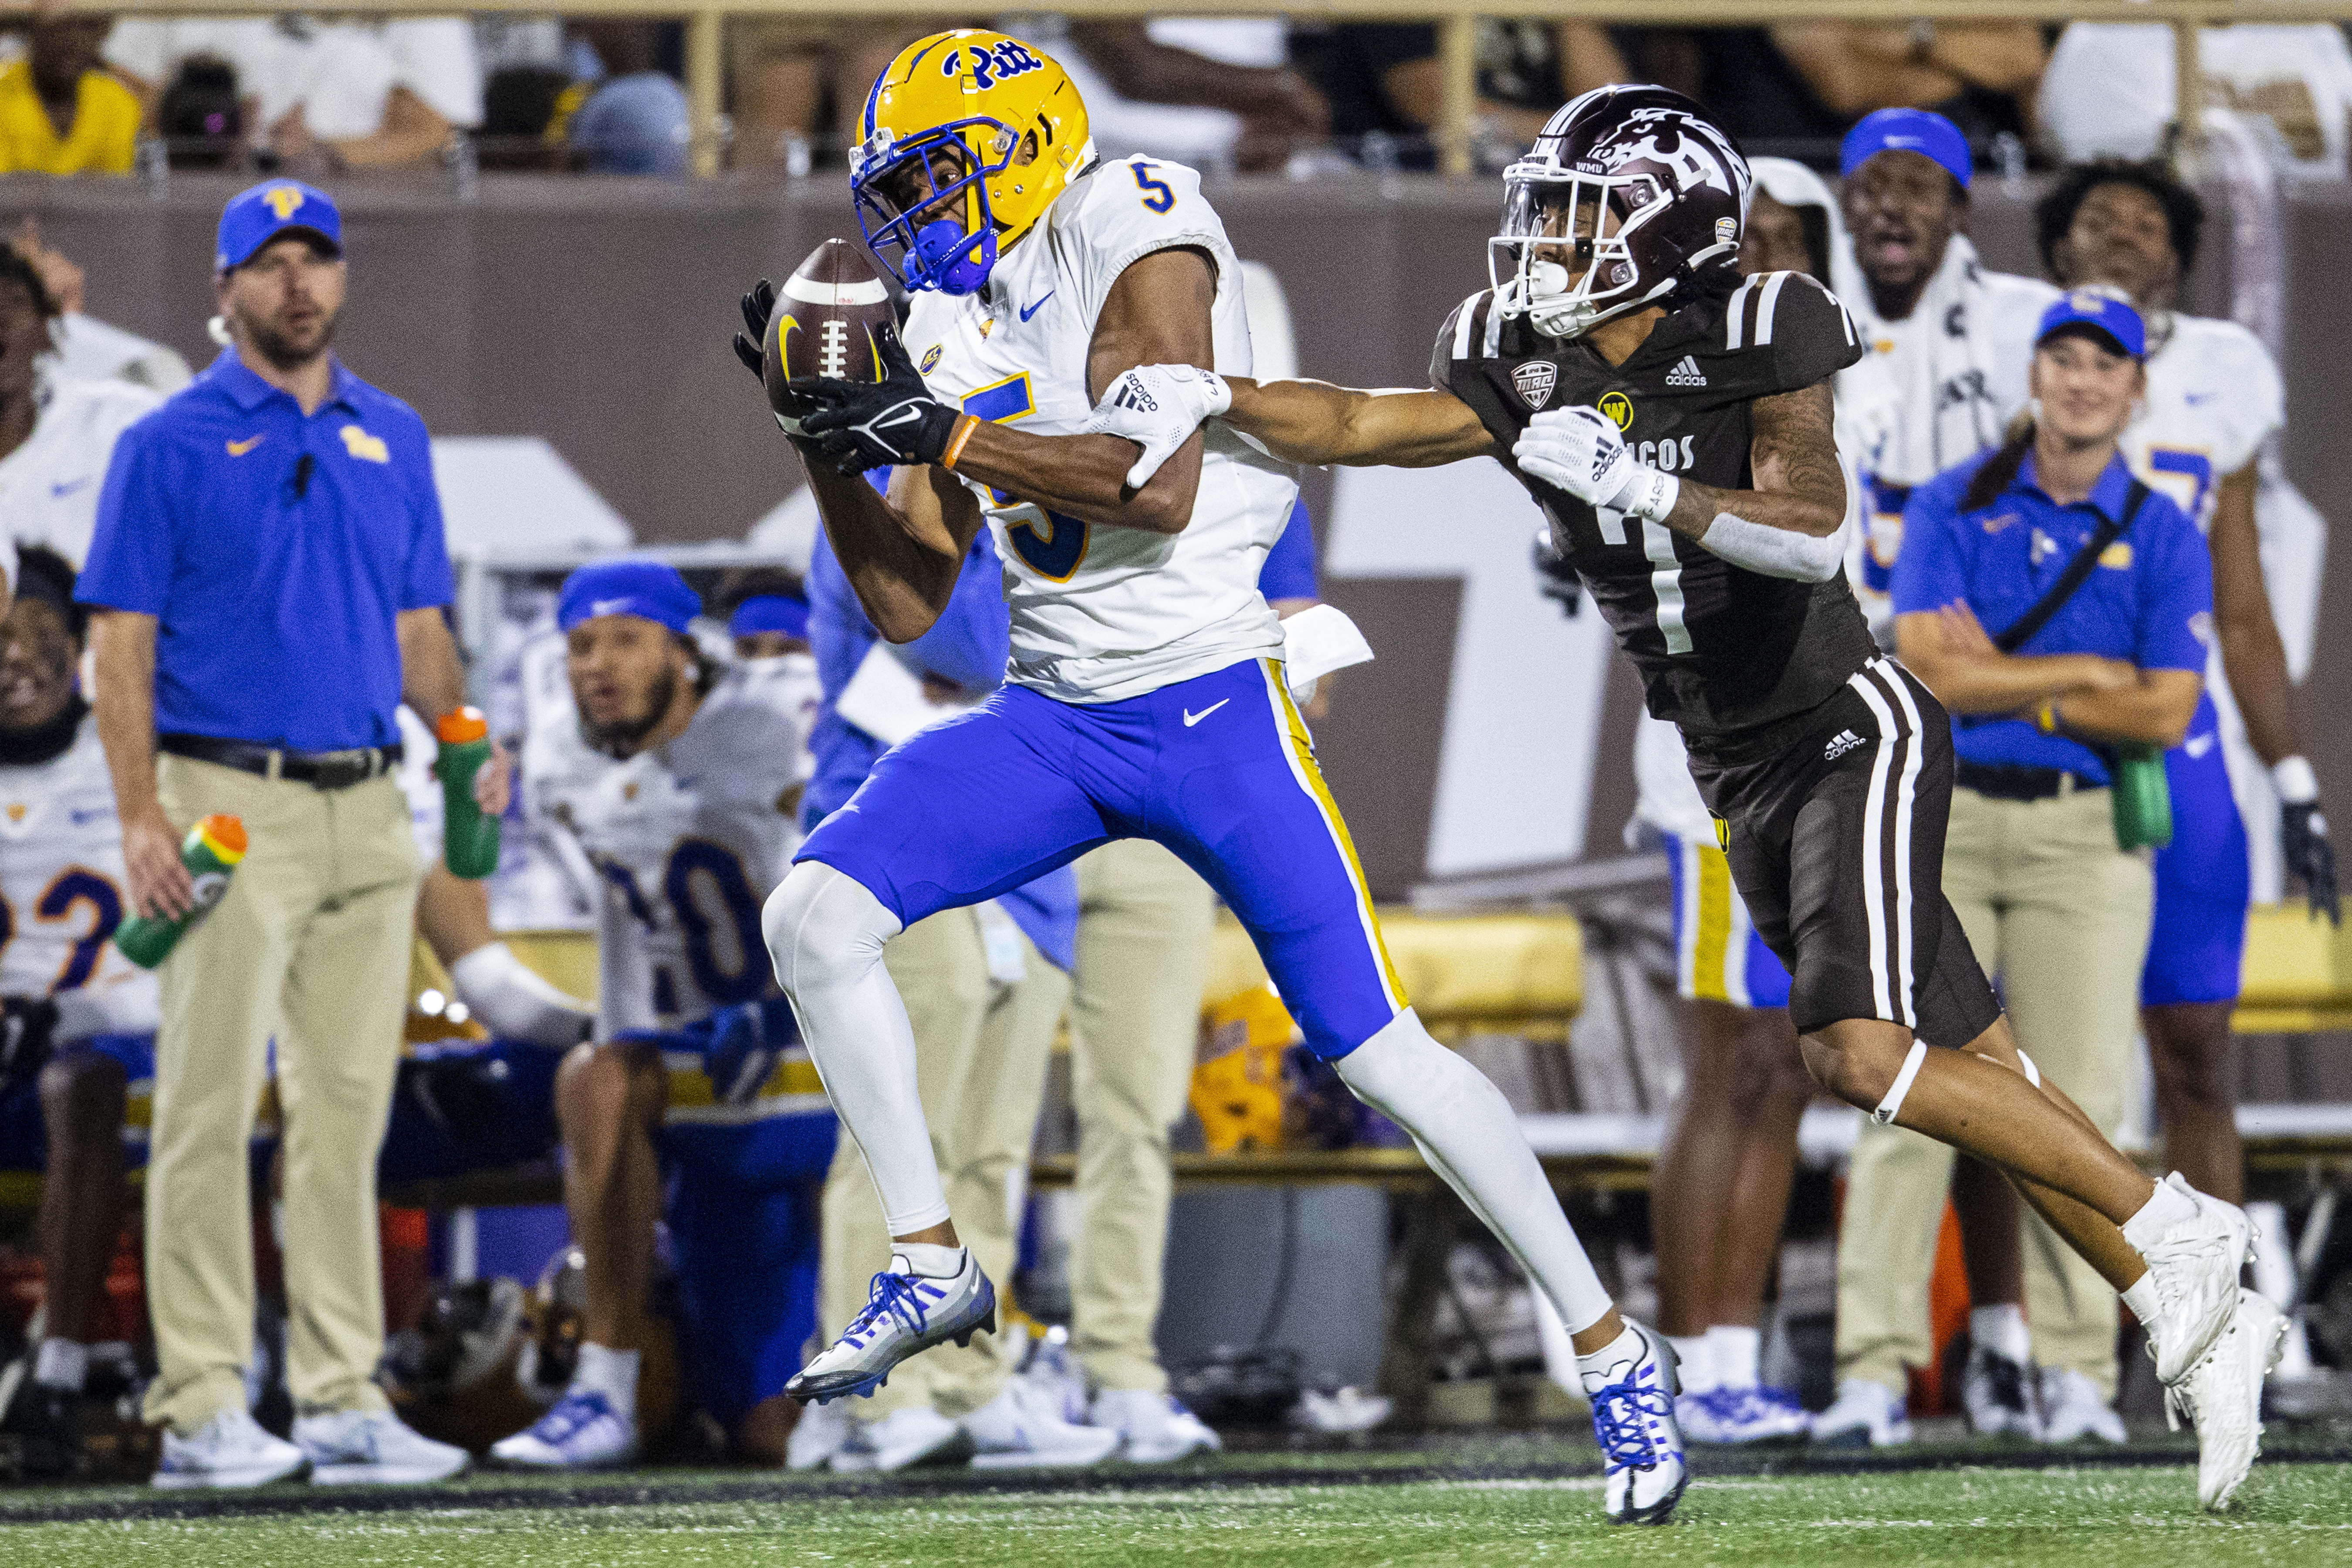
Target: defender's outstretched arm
column 1399, row 427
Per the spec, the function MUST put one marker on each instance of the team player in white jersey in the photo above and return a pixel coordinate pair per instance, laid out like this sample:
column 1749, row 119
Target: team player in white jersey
column 680, row 781
column 2214, row 401
column 1146, row 697
column 80, row 1037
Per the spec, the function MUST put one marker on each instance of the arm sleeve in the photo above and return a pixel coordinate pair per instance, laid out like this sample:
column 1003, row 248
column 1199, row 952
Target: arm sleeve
column 1931, row 571
column 1289, row 569
column 1812, row 337
column 2176, row 592
column 1137, row 205
column 426, row 579
column 130, row 564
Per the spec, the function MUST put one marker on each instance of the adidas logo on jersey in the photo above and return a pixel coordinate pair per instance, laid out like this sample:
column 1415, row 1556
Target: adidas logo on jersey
column 1686, row 373
column 1846, row 741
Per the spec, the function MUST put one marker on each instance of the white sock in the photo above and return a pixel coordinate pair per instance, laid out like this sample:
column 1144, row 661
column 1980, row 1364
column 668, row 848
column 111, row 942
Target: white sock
column 1612, row 1361
column 826, row 933
column 1737, row 1353
column 926, row 1259
column 2140, row 1297
column 62, row 1364
column 611, row 1372
column 1691, row 1352
column 512, row 1000
column 2166, row 1207
column 2000, row 1329
column 1469, row 1134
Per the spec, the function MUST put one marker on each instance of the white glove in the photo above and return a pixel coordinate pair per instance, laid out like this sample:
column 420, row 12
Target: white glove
column 1158, row 406
column 1581, row 451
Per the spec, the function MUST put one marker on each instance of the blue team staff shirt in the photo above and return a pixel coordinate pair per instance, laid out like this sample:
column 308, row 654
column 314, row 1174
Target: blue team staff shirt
column 275, row 590
column 2149, row 602
column 1289, row 569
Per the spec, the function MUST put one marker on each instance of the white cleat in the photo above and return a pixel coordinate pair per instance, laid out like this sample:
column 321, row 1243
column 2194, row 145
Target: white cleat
column 1865, row 1415
column 822, row 1432
column 229, row 1450
column 1019, row 1429
column 372, row 1447
column 2222, row 1398
column 1644, row 1469
column 1154, row 1428
column 2073, row 1408
column 1736, row 1416
column 2002, row 1399
column 905, row 1313
column 900, row 1440
column 2195, row 1265
column 581, row 1431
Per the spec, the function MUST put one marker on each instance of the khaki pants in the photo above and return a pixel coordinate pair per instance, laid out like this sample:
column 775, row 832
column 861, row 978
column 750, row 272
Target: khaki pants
column 2060, row 917
column 309, row 946
column 981, row 1051
column 1144, row 920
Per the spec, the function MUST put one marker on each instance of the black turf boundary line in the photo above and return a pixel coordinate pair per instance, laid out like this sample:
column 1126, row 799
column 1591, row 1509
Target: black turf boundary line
column 294, row 1500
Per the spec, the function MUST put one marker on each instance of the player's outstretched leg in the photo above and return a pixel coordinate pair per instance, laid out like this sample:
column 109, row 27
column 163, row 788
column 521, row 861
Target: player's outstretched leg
column 826, row 933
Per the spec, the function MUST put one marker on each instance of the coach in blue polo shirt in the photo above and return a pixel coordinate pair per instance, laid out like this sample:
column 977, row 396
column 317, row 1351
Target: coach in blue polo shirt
column 268, row 580
column 2051, row 904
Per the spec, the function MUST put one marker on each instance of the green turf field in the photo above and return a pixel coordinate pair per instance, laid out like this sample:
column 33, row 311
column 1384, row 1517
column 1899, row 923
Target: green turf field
column 1479, row 1500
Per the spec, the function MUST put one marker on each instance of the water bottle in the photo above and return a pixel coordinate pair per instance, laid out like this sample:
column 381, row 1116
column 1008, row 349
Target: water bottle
column 469, row 835
column 2141, row 797
column 210, row 852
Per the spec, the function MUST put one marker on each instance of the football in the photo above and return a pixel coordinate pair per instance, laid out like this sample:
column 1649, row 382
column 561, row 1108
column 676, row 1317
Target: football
column 826, row 317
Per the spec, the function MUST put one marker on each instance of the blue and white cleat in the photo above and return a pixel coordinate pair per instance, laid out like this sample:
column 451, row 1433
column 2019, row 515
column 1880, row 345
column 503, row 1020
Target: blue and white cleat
column 905, row 1313
column 581, row 1431
column 1736, row 1416
column 1633, row 1417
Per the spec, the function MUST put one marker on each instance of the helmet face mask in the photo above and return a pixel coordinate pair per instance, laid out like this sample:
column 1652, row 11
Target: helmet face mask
column 1628, row 192
column 923, row 208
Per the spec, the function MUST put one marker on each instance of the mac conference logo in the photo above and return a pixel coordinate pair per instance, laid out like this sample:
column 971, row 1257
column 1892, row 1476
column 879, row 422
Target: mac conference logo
column 1534, row 380
column 1620, row 409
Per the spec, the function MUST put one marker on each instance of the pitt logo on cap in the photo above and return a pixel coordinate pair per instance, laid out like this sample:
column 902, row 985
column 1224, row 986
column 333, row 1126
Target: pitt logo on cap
column 283, row 200
column 1620, row 409
column 360, row 444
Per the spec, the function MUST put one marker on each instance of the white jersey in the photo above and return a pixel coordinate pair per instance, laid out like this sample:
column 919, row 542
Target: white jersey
column 63, row 891
column 1100, row 615
column 2214, row 396
column 49, row 486
column 688, row 840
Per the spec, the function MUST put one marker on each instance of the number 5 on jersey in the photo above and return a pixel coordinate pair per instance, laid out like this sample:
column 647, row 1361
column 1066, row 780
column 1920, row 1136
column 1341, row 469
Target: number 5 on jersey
column 1051, row 545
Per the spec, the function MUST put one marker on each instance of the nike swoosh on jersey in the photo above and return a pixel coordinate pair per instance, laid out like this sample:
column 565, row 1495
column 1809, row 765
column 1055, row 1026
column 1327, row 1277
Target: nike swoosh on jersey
column 1030, row 310
column 2197, row 745
column 60, row 492
column 1192, row 718
column 239, row 448
column 92, row 815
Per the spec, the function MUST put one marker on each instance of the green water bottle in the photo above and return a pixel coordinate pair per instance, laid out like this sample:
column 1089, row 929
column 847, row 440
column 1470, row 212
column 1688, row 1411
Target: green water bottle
column 210, row 852
column 2140, row 798
column 469, row 835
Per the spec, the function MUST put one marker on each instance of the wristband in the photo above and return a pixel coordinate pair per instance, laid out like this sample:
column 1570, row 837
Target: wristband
column 2295, row 781
column 1647, row 494
column 965, row 425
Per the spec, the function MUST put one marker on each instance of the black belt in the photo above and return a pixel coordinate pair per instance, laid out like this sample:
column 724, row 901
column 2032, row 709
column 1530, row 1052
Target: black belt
column 319, row 769
column 2003, row 782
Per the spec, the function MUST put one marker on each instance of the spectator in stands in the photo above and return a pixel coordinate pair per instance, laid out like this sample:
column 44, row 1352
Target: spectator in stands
column 788, row 72
column 60, row 113
column 1386, row 77
column 1207, row 93
column 1952, row 343
column 2111, row 90
column 87, row 348
column 634, row 120
column 1980, row 76
column 2101, row 594
column 80, row 1019
column 326, row 95
column 2214, row 399
column 200, row 115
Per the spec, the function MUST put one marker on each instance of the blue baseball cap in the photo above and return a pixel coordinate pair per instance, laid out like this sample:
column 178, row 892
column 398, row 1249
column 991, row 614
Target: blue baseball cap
column 769, row 612
column 631, row 586
column 2098, row 312
column 1919, row 131
column 261, row 214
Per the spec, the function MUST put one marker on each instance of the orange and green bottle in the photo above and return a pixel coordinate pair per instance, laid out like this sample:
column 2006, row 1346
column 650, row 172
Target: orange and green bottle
column 469, row 835
column 210, row 852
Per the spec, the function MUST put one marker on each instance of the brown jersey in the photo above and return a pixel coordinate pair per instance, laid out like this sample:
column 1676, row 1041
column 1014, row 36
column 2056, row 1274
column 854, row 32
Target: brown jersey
column 1721, row 649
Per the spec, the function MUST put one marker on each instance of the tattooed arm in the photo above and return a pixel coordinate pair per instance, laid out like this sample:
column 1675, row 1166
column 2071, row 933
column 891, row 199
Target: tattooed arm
column 1799, row 486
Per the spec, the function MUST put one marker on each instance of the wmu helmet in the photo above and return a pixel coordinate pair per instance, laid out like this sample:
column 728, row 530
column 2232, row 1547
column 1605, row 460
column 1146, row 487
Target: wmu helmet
column 1640, row 184
column 965, row 140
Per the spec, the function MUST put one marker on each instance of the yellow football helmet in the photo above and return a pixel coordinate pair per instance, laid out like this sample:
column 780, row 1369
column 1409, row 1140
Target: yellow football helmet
column 966, row 139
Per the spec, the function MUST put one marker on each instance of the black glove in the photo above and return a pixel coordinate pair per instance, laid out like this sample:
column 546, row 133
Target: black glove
column 2311, row 857
column 758, row 306
column 862, row 424
column 1554, row 577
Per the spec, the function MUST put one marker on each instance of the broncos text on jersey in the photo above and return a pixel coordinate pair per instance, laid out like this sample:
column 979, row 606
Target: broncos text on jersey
column 1720, row 649
column 687, row 840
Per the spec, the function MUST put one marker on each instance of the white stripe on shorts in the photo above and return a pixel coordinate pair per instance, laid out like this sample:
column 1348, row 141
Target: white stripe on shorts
column 1890, row 951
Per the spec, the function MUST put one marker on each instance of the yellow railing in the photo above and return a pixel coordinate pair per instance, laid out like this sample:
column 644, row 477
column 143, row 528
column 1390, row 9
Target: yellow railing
column 706, row 23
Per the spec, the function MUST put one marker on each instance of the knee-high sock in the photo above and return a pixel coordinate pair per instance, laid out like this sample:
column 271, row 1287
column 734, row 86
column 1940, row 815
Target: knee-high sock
column 826, row 933
column 1470, row 1136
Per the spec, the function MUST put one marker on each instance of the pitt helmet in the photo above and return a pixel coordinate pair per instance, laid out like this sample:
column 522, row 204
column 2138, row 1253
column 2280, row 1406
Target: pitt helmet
column 1651, row 159
column 966, row 139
